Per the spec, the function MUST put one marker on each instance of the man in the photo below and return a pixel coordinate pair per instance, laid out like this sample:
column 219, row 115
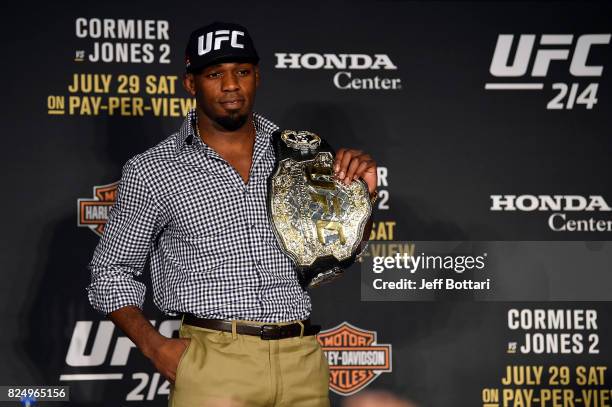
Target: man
column 196, row 203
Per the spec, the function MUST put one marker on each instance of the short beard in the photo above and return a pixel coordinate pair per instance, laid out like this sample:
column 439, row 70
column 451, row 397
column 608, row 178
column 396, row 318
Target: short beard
column 232, row 122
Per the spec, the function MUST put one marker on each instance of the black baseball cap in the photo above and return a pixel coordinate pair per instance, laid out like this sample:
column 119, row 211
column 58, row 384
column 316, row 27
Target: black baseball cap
column 217, row 43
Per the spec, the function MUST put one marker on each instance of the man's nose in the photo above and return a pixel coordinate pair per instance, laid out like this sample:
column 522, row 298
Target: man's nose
column 230, row 82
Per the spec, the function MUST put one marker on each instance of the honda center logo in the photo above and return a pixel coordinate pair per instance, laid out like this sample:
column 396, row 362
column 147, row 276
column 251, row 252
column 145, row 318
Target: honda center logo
column 350, row 69
column 559, row 220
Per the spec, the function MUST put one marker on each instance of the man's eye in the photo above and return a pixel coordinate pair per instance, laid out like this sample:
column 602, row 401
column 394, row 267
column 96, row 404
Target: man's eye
column 213, row 75
column 244, row 72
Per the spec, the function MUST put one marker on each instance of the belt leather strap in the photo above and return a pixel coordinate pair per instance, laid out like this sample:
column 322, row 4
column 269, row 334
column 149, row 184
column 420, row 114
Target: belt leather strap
column 266, row 332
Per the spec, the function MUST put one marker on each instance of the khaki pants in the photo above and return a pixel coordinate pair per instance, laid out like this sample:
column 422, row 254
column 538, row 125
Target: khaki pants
column 222, row 369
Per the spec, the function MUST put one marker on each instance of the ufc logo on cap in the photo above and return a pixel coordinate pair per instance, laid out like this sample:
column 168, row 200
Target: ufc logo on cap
column 219, row 36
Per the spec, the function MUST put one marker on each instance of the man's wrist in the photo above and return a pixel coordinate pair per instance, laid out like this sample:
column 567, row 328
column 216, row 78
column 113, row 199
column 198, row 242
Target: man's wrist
column 138, row 328
column 152, row 344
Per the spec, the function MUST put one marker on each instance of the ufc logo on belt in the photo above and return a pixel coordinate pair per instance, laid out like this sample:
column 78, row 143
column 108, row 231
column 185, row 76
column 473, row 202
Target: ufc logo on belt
column 219, row 36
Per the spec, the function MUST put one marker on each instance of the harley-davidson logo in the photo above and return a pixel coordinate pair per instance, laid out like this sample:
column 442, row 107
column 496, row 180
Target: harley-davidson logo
column 355, row 358
column 93, row 213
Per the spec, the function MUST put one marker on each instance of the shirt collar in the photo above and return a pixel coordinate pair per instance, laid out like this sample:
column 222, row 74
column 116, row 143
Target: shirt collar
column 188, row 135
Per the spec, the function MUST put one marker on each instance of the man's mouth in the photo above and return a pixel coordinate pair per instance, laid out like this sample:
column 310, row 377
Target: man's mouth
column 232, row 103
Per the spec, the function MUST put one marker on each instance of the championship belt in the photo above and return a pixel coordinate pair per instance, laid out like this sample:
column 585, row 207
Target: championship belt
column 318, row 220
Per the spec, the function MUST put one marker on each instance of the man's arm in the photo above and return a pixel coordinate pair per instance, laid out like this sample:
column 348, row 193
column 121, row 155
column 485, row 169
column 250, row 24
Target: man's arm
column 350, row 165
column 164, row 353
column 133, row 223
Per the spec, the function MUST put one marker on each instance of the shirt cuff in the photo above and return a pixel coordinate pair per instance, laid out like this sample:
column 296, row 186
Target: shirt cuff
column 115, row 290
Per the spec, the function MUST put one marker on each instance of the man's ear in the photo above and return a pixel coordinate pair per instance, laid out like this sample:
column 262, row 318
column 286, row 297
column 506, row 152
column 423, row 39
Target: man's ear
column 189, row 83
column 256, row 75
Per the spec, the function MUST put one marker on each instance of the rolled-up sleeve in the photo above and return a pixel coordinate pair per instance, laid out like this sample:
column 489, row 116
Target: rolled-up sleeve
column 120, row 256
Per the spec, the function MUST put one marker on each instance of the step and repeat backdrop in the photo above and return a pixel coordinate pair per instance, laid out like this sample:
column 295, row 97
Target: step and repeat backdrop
column 490, row 122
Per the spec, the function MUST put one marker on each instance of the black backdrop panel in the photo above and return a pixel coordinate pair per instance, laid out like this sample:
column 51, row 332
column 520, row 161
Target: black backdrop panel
column 409, row 82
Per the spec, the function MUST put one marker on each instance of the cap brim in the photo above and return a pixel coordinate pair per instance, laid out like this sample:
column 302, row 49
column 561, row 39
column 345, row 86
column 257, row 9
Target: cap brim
column 222, row 60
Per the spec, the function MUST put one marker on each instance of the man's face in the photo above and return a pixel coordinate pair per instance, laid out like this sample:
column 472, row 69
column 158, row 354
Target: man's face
column 225, row 92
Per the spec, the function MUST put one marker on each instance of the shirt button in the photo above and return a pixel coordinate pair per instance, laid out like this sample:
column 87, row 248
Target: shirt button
column 252, row 226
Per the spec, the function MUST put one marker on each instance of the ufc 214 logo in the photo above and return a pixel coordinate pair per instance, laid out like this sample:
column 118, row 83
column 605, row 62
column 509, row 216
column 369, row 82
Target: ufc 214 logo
column 213, row 40
column 530, row 56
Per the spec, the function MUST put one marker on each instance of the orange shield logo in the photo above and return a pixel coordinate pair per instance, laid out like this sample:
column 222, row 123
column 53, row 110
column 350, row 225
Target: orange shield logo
column 93, row 213
column 355, row 358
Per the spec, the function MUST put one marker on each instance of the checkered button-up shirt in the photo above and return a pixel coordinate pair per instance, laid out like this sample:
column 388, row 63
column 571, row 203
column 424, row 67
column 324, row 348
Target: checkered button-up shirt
column 212, row 250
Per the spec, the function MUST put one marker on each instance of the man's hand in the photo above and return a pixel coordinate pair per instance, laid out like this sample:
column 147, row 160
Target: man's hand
column 352, row 164
column 167, row 355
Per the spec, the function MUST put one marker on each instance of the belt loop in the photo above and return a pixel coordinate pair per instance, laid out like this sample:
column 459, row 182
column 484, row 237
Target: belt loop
column 234, row 334
column 301, row 329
